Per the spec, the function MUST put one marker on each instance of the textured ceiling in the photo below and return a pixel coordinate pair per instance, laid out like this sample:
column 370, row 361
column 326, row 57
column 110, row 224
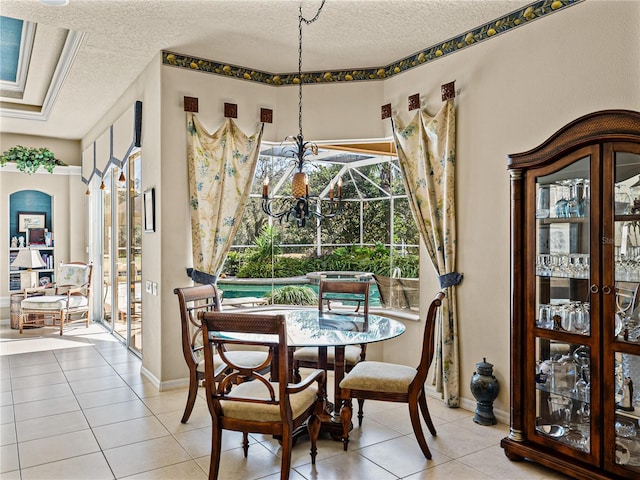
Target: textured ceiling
column 118, row 38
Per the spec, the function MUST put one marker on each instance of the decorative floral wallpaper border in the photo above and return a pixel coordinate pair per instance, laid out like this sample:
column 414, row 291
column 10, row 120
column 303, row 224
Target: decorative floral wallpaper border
column 515, row 19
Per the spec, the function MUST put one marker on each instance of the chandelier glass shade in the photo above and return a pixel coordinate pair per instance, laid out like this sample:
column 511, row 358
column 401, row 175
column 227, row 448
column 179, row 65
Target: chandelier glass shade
column 302, row 206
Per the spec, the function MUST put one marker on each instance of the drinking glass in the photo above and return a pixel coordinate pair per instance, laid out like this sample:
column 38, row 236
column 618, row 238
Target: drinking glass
column 544, row 316
column 569, row 320
column 542, row 202
column 584, row 413
column 563, row 375
column 560, row 408
column 557, row 315
column 582, row 319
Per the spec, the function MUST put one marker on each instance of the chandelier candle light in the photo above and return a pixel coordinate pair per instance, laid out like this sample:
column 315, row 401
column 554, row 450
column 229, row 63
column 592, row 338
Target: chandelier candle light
column 300, row 209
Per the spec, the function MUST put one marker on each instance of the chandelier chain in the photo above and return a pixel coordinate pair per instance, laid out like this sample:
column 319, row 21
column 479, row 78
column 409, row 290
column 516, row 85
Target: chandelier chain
column 302, row 207
column 301, row 19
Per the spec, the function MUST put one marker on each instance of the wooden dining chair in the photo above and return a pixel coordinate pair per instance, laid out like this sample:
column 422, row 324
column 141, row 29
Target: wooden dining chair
column 242, row 399
column 347, row 297
column 191, row 301
column 390, row 382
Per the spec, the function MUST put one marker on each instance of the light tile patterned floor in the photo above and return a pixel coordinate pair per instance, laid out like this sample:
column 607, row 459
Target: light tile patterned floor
column 77, row 407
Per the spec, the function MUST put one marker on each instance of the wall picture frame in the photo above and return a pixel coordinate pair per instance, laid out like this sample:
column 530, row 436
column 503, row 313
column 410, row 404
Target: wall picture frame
column 27, row 220
column 149, row 198
column 37, row 237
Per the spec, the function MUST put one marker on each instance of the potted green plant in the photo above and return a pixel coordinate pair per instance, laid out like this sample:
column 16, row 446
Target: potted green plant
column 29, row 159
column 293, row 295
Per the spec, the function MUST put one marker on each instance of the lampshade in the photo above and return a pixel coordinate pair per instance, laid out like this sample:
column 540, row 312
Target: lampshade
column 300, row 185
column 28, row 258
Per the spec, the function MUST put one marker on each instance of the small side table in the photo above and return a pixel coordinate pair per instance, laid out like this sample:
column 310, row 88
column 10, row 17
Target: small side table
column 16, row 299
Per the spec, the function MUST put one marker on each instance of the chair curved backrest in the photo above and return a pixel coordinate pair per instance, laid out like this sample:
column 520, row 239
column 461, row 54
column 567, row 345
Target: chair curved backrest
column 348, row 293
column 74, row 274
column 428, row 346
column 191, row 301
column 76, row 278
column 277, row 353
column 344, row 291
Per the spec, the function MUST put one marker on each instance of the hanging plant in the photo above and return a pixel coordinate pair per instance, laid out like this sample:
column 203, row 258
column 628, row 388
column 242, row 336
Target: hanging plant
column 28, row 160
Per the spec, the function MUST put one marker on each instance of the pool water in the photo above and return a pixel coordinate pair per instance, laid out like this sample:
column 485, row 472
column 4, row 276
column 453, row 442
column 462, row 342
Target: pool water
column 236, row 290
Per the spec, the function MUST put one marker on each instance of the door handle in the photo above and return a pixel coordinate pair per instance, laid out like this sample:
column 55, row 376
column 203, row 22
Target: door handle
column 594, row 288
column 606, row 290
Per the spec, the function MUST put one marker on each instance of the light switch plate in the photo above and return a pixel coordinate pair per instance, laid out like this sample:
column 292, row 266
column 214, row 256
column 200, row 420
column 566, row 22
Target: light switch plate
column 148, row 286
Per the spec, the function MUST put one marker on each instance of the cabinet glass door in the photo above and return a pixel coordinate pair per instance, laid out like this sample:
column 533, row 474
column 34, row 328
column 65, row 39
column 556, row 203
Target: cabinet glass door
column 563, row 314
column 624, row 329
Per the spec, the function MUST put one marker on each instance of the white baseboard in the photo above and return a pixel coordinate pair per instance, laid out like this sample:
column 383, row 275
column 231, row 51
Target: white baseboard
column 470, row 405
column 164, row 386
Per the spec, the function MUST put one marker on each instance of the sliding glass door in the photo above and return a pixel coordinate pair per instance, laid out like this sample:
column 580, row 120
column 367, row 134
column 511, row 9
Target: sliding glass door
column 122, row 252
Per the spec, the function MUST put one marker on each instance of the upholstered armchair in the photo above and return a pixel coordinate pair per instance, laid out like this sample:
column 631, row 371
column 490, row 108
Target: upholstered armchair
column 69, row 303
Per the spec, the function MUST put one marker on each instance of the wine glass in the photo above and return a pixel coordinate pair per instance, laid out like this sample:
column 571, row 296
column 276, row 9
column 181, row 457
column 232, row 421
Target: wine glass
column 561, row 203
column 575, row 206
column 582, row 387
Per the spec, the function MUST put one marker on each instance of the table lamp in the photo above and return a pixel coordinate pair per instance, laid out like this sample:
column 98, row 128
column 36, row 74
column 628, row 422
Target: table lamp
column 28, row 259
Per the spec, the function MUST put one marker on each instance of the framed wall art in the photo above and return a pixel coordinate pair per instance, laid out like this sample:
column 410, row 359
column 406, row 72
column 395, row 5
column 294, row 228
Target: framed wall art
column 28, row 220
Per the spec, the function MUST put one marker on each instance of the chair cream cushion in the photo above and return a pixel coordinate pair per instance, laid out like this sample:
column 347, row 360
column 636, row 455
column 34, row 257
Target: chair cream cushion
column 72, row 275
column 54, row 302
column 379, row 377
column 310, row 354
column 243, row 358
column 261, row 412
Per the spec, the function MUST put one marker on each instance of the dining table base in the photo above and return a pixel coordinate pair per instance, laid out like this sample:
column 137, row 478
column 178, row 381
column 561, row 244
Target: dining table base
column 330, row 421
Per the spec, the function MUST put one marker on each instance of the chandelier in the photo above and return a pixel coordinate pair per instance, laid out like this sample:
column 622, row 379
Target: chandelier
column 302, row 206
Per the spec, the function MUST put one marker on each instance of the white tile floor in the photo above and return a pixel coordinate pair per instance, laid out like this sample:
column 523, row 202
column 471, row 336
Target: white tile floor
column 77, row 407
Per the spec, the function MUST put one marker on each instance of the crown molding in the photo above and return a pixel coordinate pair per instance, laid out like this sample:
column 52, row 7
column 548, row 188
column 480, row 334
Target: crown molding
column 518, row 18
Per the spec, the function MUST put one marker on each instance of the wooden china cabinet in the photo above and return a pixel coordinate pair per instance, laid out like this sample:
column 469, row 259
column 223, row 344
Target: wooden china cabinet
column 575, row 311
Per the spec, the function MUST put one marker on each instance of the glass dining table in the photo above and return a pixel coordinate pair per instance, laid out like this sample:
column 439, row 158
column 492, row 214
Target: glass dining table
column 312, row 328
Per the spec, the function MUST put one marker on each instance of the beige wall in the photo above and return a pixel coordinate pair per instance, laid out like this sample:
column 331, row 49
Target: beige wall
column 146, row 88
column 66, row 150
column 515, row 91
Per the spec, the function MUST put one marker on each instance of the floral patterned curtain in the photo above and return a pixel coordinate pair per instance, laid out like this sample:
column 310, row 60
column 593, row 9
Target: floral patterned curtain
column 221, row 169
column 427, row 153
